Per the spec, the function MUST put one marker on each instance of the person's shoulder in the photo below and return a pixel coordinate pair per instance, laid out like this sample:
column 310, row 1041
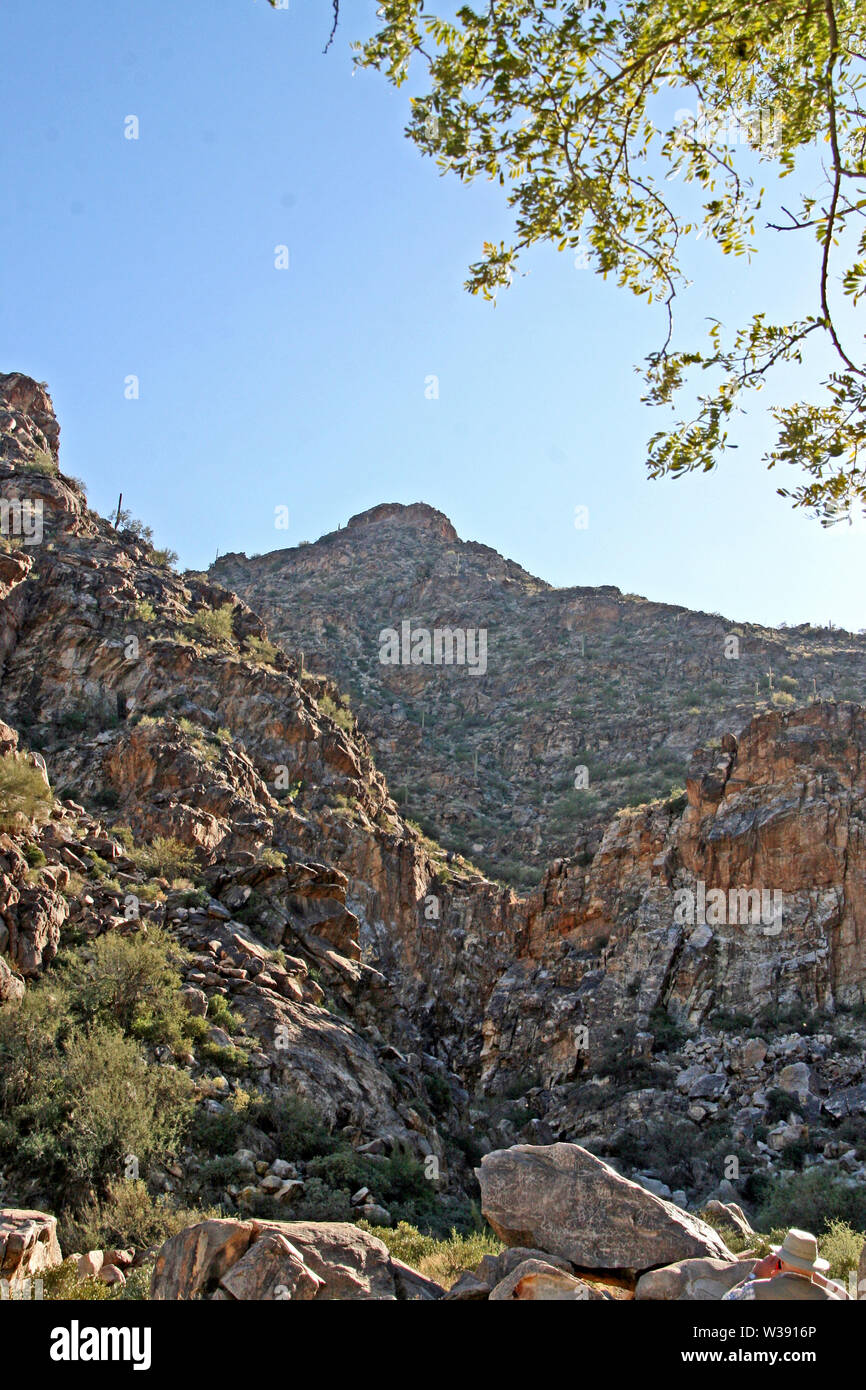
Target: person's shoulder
column 740, row 1293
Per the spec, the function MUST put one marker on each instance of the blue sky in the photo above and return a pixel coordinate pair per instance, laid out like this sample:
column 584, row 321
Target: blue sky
column 305, row 387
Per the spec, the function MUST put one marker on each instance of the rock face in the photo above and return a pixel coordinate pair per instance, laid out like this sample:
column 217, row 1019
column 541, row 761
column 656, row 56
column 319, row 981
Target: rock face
column 562, row 1199
column 28, row 1245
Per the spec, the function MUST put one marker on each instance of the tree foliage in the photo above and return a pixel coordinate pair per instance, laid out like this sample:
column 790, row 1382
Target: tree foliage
column 565, row 105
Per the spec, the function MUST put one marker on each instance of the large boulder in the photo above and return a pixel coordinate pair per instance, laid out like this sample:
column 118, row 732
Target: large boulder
column 352, row 1264
column 693, row 1281
column 271, row 1269
column 861, row 1275
column 28, row 1244
column 281, row 1260
column 561, row 1199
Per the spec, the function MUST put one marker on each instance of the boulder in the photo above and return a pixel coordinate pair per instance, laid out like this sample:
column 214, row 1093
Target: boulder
column 352, row 1264
column 298, row 1260
column 271, row 1270
column 861, row 1275
column 794, row 1079
column 28, row 1244
column 535, row 1281
column 88, row 1266
column 197, row 1257
column 468, row 1289
column 11, row 985
column 561, row 1199
column 413, row 1287
column 731, row 1214
column 695, row 1281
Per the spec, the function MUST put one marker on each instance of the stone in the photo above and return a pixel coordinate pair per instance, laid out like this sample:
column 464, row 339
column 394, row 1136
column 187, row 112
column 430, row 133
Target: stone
column 198, row 1257
column 794, row 1079
column 861, row 1274
column 273, row 1270
column 468, row 1289
column 536, row 1281
column 695, row 1281
column 353, row 1264
column 731, row 1214
column 28, row 1244
column 708, row 1086
column 562, row 1199
column 90, row 1264
column 376, row 1215
column 412, row 1286
column 111, row 1274
column 195, row 1000
column 752, row 1054
column 660, row 1189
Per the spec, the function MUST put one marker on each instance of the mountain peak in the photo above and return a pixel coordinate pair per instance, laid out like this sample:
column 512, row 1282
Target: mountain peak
column 414, row 514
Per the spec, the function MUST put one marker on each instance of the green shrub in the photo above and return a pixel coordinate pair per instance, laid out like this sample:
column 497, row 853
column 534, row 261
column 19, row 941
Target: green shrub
column 215, row 623
column 340, row 714
column 75, row 1102
column 262, row 650
column 441, row 1259
column 220, row 1014
column 811, row 1200
column 129, row 1214
column 34, row 856
column 24, row 797
column 130, row 981
column 165, row 857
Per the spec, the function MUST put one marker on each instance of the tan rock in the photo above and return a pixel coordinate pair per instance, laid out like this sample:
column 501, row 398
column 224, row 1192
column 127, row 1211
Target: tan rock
column 90, row 1264
column 535, row 1281
column 28, row 1243
column 352, row 1264
column 197, row 1257
column 271, row 1269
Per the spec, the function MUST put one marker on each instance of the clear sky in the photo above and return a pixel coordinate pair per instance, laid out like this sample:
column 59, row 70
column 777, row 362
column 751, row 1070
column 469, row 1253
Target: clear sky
column 262, row 387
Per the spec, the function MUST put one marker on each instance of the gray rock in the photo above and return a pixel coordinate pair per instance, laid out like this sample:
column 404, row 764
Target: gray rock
column 563, row 1200
column 694, row 1281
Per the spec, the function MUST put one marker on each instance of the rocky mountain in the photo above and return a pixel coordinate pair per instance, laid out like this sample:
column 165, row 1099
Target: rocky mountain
column 211, row 900
column 589, row 699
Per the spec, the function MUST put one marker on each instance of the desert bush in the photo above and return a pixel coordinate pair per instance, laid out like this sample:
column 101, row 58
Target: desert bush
column 131, row 981
column 24, row 797
column 74, row 1102
column 812, row 1200
column 129, row 1214
column 215, row 623
column 262, row 650
column 340, row 714
column 441, row 1259
column 165, row 856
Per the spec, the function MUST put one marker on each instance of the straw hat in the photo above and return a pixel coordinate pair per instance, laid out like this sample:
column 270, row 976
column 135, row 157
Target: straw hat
column 800, row 1250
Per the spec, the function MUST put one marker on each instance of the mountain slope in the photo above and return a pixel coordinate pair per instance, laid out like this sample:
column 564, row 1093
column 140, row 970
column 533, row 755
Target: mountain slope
column 591, row 699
